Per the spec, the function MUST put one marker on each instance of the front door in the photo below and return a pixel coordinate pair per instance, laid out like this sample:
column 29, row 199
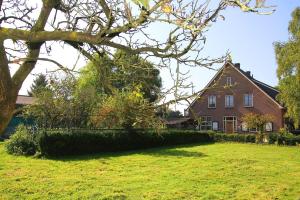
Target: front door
column 229, row 124
column 229, row 127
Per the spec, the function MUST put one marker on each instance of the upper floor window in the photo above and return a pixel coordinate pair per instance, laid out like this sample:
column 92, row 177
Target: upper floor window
column 229, row 101
column 228, row 81
column 248, row 100
column 212, row 101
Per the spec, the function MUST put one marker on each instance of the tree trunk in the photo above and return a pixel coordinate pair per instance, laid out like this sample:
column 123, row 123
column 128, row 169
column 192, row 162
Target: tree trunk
column 7, row 107
column 10, row 86
column 8, row 92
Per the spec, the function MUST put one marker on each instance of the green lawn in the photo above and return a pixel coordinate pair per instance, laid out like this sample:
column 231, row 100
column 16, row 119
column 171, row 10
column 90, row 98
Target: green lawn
column 216, row 171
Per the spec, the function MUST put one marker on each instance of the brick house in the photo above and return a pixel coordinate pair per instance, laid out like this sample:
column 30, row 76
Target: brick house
column 231, row 94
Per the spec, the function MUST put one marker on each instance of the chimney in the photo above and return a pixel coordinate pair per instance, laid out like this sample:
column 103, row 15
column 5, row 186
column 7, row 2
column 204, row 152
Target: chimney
column 237, row 65
column 248, row 73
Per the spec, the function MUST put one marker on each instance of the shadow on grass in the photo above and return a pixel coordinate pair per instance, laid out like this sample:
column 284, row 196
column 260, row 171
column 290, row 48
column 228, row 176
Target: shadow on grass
column 174, row 151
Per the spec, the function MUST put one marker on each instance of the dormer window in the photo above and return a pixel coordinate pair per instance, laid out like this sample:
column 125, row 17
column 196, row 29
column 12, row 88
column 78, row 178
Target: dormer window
column 228, row 81
column 212, row 101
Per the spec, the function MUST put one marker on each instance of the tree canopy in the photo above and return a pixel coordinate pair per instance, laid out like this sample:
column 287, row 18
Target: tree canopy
column 257, row 120
column 125, row 109
column 288, row 71
column 61, row 105
column 123, row 70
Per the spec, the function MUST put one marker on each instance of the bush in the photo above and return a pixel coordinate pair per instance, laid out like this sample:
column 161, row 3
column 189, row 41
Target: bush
column 75, row 142
column 21, row 142
column 284, row 139
column 223, row 137
column 56, row 143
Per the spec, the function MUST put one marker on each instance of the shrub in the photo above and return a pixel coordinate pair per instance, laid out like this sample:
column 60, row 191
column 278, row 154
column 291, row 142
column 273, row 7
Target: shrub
column 56, row 143
column 126, row 109
column 75, row 142
column 21, row 142
column 223, row 137
column 284, row 139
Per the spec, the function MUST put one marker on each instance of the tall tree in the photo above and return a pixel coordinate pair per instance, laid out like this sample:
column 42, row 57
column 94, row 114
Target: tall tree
column 123, row 70
column 100, row 26
column 62, row 105
column 288, row 72
column 40, row 83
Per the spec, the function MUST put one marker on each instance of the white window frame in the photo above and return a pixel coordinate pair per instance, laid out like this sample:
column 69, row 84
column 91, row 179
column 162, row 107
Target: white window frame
column 269, row 127
column 205, row 123
column 253, row 130
column 215, row 126
column 248, row 96
column 228, row 81
column 226, row 103
column 213, row 98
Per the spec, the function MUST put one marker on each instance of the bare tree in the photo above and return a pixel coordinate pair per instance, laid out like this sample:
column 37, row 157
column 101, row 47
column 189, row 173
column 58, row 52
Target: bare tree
column 101, row 26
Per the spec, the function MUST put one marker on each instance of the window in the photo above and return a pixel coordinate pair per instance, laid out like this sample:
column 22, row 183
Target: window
column 215, row 126
column 244, row 127
column 269, row 127
column 229, row 101
column 253, row 130
column 212, row 100
column 248, row 100
column 228, row 81
column 205, row 123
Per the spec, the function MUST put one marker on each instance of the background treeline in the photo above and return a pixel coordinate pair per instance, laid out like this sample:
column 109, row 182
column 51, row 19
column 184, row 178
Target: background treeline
column 119, row 91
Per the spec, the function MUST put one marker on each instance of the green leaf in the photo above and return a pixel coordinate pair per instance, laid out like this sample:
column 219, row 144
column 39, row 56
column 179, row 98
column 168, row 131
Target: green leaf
column 145, row 3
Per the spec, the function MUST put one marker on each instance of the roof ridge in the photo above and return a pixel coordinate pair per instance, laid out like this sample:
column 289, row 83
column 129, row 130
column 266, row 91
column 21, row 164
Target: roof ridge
column 265, row 85
column 256, row 83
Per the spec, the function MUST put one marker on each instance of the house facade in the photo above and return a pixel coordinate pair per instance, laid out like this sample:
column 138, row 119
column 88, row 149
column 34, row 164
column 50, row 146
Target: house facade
column 230, row 95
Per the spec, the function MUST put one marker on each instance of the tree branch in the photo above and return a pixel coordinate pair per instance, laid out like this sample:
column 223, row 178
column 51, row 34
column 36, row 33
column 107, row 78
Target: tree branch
column 34, row 47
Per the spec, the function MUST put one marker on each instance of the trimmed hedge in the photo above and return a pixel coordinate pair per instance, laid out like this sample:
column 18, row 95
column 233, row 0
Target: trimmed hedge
column 273, row 138
column 75, row 142
column 57, row 143
column 243, row 138
column 284, row 139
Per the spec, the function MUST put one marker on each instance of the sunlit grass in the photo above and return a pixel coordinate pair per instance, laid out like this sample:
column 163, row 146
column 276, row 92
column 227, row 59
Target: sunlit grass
column 216, row 171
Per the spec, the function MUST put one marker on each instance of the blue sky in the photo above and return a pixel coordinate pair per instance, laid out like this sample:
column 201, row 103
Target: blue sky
column 249, row 38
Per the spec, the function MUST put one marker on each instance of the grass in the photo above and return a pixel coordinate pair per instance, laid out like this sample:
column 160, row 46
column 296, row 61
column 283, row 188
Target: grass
column 216, row 171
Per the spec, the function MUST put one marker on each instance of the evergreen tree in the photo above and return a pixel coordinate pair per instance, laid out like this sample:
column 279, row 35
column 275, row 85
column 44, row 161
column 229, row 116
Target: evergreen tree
column 288, row 72
column 38, row 84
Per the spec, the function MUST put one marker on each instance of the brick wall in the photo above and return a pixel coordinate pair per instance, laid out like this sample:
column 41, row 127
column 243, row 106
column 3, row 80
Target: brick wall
column 262, row 104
